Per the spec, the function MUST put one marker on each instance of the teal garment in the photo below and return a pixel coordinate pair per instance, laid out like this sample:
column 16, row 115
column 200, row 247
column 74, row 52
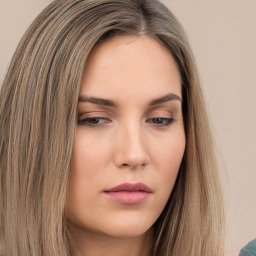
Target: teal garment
column 249, row 249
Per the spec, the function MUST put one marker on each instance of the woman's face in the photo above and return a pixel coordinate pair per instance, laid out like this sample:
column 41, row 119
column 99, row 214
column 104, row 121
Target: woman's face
column 129, row 140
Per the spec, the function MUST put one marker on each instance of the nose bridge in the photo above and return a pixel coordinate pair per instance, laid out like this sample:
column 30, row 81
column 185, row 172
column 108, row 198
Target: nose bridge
column 130, row 145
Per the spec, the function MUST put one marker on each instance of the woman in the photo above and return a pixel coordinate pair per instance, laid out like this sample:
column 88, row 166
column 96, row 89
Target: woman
column 106, row 147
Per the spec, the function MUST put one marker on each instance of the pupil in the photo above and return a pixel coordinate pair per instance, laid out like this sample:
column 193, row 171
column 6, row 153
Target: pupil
column 94, row 120
column 159, row 120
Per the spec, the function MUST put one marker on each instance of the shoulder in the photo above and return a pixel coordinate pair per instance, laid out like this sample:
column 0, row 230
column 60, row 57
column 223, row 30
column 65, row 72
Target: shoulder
column 249, row 249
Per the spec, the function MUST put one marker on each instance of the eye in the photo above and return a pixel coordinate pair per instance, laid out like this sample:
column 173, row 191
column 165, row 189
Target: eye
column 93, row 121
column 161, row 121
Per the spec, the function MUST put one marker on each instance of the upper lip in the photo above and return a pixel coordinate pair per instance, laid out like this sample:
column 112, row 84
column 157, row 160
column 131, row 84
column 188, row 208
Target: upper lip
column 133, row 187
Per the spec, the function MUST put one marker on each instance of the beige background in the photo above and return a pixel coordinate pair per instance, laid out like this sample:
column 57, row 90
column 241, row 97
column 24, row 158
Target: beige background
column 223, row 37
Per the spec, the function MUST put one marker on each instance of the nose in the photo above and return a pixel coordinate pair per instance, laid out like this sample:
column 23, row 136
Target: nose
column 130, row 148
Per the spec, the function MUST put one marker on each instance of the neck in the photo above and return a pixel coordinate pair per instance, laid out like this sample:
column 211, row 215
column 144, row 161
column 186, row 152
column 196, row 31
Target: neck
column 86, row 243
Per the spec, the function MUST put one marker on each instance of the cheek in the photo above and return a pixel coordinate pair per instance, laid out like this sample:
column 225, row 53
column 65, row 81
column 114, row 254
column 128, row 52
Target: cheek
column 169, row 153
column 167, row 160
column 89, row 156
column 174, row 156
column 85, row 173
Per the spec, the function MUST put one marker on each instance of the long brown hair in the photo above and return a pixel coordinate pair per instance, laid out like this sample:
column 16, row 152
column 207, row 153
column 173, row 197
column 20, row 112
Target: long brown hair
column 38, row 102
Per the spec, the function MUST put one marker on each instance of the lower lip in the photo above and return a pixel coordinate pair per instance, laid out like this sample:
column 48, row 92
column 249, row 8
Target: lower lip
column 128, row 197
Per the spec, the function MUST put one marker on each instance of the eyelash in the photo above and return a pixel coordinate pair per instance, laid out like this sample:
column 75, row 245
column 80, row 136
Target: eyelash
column 94, row 121
column 167, row 121
column 87, row 120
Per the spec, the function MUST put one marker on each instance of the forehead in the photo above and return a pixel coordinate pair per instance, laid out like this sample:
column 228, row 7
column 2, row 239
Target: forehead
column 130, row 64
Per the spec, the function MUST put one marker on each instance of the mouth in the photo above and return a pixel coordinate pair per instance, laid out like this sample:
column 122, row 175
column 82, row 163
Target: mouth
column 129, row 193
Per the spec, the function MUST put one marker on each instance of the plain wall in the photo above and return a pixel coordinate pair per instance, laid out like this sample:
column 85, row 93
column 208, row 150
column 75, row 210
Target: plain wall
column 223, row 37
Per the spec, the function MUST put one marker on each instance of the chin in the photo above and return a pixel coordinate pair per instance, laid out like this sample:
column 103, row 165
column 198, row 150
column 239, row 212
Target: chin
column 133, row 226
column 128, row 232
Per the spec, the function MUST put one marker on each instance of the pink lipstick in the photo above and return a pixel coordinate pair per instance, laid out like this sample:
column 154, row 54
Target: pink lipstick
column 129, row 193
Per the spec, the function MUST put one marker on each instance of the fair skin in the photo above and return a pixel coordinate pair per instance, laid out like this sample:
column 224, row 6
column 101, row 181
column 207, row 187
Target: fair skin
column 135, row 135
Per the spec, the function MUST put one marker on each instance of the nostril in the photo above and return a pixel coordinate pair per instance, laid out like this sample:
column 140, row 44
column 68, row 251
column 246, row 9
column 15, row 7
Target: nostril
column 134, row 165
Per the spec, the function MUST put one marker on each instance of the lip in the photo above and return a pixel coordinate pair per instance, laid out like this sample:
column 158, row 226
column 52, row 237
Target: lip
column 129, row 193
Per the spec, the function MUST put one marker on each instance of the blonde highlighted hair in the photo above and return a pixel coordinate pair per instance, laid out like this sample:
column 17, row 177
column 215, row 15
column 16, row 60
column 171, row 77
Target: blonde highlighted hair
column 38, row 102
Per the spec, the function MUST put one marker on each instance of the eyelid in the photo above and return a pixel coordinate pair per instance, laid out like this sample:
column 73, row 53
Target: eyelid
column 85, row 118
column 87, row 114
column 160, row 113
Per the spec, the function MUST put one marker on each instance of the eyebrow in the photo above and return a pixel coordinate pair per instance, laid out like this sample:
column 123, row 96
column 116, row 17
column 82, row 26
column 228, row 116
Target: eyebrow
column 111, row 103
column 98, row 101
column 166, row 98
